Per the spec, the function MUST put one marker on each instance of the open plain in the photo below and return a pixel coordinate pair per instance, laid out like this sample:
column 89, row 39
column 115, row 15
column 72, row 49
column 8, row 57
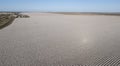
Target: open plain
column 47, row 39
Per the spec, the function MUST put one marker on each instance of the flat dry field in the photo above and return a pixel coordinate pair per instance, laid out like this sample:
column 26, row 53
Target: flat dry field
column 47, row 39
column 88, row 13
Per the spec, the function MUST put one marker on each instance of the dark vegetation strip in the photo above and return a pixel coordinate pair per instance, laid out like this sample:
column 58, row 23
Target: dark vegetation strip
column 7, row 23
column 7, row 18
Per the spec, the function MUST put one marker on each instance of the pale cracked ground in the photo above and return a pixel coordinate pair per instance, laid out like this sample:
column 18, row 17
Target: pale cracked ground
column 47, row 39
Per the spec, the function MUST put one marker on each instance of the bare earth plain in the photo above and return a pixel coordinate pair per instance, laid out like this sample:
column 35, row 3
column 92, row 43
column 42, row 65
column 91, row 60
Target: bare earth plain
column 47, row 39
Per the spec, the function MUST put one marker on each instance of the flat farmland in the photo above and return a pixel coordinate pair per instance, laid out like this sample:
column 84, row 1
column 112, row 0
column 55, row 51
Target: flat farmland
column 49, row 39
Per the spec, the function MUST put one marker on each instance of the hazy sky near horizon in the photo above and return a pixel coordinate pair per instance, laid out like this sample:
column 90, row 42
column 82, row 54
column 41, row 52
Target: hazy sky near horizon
column 61, row 5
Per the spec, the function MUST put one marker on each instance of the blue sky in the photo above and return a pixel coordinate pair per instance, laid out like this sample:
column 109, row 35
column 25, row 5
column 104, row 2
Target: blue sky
column 61, row 5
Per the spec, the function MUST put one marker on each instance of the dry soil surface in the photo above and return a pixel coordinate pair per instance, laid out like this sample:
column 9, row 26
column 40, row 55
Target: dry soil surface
column 47, row 39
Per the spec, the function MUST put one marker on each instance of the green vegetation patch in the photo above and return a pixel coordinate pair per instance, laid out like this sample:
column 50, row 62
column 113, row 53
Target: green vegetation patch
column 8, row 18
column 5, row 19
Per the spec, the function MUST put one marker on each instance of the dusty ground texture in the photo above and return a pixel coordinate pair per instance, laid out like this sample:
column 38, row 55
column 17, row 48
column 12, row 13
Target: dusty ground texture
column 47, row 39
